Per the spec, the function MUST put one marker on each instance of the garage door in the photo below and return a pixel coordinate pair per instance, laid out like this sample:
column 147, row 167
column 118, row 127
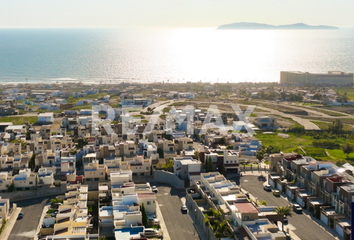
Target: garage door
column 324, row 219
column 339, row 230
column 271, row 183
column 299, row 201
column 288, row 192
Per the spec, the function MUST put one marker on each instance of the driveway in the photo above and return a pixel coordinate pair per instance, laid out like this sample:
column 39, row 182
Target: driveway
column 179, row 225
column 300, row 224
column 26, row 228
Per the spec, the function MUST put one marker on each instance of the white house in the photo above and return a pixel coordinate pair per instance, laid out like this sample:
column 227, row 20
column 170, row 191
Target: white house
column 187, row 168
column 25, row 179
column 45, row 176
column 46, row 117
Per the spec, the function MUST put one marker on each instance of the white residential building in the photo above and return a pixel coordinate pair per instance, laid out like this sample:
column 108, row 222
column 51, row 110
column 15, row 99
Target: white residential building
column 187, row 168
column 46, row 117
column 25, row 179
column 45, row 177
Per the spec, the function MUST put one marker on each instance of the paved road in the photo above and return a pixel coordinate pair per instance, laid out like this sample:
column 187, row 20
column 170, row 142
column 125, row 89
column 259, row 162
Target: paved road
column 26, row 228
column 179, row 225
column 308, row 125
column 303, row 226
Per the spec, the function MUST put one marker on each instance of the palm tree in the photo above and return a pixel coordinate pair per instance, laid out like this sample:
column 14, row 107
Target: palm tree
column 283, row 212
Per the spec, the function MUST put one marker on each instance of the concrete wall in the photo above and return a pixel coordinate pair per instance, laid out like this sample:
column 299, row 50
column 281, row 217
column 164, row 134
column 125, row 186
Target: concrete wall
column 167, row 177
column 39, row 192
column 197, row 217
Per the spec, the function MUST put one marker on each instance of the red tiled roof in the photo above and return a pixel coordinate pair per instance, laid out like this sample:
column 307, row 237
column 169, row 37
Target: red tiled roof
column 146, row 195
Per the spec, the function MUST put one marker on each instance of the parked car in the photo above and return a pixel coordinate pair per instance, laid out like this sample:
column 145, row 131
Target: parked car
column 151, row 216
column 276, row 193
column 297, row 208
column 154, row 189
column 20, row 215
column 267, row 187
column 184, row 209
column 150, row 232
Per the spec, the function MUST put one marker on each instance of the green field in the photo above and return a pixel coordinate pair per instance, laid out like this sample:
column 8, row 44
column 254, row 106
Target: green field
column 285, row 145
column 17, row 120
column 324, row 125
column 348, row 91
column 293, row 144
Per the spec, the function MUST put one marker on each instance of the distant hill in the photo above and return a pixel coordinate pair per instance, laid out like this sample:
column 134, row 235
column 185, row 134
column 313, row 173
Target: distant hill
column 247, row 25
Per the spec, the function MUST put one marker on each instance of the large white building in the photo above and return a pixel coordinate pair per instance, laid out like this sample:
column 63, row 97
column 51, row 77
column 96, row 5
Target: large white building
column 332, row 78
column 46, row 117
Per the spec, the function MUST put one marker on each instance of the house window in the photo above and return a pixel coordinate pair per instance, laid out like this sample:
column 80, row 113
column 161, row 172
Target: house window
column 227, row 161
column 148, row 202
column 30, row 182
column 147, row 168
column 101, row 173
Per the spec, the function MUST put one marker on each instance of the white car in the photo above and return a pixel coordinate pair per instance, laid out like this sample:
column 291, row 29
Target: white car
column 267, row 187
column 154, row 189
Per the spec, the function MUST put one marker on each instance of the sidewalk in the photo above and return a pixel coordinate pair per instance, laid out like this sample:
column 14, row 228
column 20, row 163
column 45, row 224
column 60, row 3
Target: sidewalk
column 10, row 223
column 45, row 210
column 159, row 216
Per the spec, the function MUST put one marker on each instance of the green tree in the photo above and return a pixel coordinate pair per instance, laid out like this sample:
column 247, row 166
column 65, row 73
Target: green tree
column 283, row 212
column 32, row 161
column 11, row 188
column 196, row 155
column 169, row 164
column 144, row 215
column 160, row 152
column 260, row 155
column 230, row 147
column 336, row 127
column 348, row 148
column 209, row 166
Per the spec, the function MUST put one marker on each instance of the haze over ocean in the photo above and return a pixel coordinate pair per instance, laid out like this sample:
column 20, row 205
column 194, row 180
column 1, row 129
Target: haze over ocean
column 156, row 55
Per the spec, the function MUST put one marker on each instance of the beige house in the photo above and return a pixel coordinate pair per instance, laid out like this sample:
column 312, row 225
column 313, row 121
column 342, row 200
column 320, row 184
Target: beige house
column 5, row 181
column 95, row 171
column 140, row 166
column 4, row 208
column 168, row 148
column 125, row 149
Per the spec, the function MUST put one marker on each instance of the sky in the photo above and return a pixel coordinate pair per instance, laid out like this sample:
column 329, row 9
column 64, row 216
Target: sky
column 171, row 13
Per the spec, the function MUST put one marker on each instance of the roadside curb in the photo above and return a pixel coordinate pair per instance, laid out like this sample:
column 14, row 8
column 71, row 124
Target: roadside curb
column 45, row 210
column 10, row 223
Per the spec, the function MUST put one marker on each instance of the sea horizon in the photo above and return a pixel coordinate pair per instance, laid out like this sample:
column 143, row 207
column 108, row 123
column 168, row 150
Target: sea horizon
column 94, row 55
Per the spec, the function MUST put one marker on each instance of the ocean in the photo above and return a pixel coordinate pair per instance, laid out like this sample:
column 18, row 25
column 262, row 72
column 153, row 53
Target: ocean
column 169, row 55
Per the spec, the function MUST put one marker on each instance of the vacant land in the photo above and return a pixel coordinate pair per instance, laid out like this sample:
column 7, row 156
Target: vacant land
column 325, row 125
column 19, row 120
column 305, row 142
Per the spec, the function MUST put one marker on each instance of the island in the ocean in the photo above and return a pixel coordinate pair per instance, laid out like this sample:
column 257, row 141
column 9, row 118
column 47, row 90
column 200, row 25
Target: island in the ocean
column 253, row 26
